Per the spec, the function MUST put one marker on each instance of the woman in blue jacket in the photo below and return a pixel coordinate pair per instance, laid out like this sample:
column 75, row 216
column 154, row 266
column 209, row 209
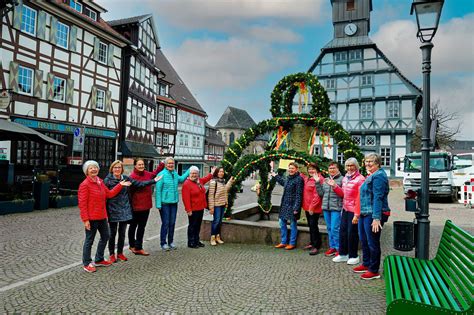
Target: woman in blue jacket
column 119, row 210
column 374, row 212
column 167, row 198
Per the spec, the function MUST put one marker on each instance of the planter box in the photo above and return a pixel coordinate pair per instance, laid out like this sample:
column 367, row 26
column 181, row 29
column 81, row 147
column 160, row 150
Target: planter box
column 16, row 206
column 41, row 195
column 63, row 201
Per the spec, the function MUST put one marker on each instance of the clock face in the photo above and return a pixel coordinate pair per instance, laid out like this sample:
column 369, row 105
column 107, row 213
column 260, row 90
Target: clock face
column 350, row 29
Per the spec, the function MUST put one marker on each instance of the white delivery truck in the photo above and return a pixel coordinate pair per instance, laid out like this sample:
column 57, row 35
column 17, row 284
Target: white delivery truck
column 463, row 171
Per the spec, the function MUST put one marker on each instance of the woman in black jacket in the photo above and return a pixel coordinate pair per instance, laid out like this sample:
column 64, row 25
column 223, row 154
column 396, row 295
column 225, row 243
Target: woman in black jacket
column 119, row 210
column 290, row 207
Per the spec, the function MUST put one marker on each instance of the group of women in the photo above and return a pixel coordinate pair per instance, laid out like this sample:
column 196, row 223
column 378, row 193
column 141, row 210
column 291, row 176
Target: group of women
column 110, row 205
column 354, row 208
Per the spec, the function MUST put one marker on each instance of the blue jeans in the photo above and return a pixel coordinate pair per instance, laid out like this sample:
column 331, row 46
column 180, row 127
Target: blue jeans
column 168, row 222
column 348, row 235
column 333, row 221
column 96, row 225
column 370, row 242
column 217, row 220
column 284, row 231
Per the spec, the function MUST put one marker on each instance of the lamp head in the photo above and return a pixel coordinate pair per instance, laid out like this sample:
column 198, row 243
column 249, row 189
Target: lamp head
column 427, row 14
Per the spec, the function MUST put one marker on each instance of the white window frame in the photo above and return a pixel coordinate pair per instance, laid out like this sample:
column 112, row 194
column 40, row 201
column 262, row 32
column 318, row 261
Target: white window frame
column 158, row 139
column 392, row 108
column 134, row 115
column 167, row 115
column 148, row 121
column 364, row 112
column 355, row 55
column 100, row 100
column 91, row 12
column 161, row 113
column 330, row 84
column 139, row 117
column 26, row 74
column 25, row 26
column 103, row 52
column 385, row 156
column 165, row 139
column 333, row 114
column 75, row 5
column 367, row 141
column 367, row 80
column 55, row 85
column 357, row 140
column 59, row 32
column 340, row 57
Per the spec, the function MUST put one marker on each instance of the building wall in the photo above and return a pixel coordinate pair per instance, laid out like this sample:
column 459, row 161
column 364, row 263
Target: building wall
column 190, row 136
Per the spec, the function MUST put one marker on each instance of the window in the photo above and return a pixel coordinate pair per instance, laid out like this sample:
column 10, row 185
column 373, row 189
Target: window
column 167, row 115
column 163, row 90
column 161, row 113
column 139, row 117
column 62, row 35
column 148, row 121
column 76, row 5
column 134, row 116
column 340, row 158
column 333, row 114
column 385, row 155
column 194, row 142
column 165, row 140
column 28, row 20
column 355, row 54
column 366, row 80
column 186, row 140
column 350, row 5
column 393, row 109
column 100, row 100
column 340, row 56
column 25, row 80
column 366, row 111
column 137, row 71
column 158, row 138
column 90, row 13
column 59, row 89
column 330, row 84
column 198, row 142
column 231, row 138
column 370, row 141
column 181, row 140
column 357, row 140
column 102, row 52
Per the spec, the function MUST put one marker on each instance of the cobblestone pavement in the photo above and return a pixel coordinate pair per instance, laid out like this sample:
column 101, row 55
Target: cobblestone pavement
column 41, row 254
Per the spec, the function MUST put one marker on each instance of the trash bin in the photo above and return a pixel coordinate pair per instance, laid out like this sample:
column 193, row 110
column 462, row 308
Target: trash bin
column 41, row 195
column 403, row 235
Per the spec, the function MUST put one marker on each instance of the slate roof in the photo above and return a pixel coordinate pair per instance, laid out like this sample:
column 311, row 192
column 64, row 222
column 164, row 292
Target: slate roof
column 129, row 20
column 179, row 91
column 213, row 138
column 235, row 118
column 349, row 42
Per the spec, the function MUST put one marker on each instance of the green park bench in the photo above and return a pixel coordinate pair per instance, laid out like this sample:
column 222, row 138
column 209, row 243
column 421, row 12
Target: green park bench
column 443, row 285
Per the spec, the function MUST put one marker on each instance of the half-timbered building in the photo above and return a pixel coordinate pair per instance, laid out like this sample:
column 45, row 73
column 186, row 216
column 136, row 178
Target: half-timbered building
column 62, row 64
column 190, row 120
column 140, row 132
column 368, row 94
column 214, row 148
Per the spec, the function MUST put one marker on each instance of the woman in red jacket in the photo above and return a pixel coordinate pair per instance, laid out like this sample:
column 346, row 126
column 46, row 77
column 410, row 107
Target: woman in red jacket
column 141, row 205
column 312, row 202
column 92, row 197
column 194, row 199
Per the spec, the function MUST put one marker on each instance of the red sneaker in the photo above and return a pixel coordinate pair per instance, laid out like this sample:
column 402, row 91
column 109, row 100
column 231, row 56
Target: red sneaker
column 370, row 275
column 360, row 269
column 89, row 268
column 112, row 258
column 103, row 263
column 281, row 245
column 122, row 257
column 330, row 252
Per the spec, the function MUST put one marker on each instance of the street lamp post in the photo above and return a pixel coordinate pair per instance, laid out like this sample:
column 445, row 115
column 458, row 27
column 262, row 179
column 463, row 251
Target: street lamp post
column 427, row 18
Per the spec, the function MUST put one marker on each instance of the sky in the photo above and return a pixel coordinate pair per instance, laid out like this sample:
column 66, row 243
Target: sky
column 233, row 52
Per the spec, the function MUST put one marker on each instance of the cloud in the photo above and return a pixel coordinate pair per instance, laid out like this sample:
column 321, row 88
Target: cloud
column 233, row 63
column 453, row 46
column 274, row 34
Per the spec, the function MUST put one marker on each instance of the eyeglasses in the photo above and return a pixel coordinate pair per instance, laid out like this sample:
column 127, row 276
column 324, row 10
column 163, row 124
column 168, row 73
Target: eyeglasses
column 369, row 162
column 117, row 167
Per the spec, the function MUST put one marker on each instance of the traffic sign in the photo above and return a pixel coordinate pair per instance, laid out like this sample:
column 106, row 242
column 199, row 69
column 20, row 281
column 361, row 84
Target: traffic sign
column 78, row 143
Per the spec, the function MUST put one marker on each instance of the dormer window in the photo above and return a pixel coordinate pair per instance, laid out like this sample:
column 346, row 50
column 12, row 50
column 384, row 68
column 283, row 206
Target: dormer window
column 76, row 5
column 350, row 5
column 90, row 13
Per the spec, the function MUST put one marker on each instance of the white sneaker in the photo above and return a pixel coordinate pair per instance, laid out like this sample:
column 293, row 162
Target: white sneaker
column 353, row 261
column 340, row 258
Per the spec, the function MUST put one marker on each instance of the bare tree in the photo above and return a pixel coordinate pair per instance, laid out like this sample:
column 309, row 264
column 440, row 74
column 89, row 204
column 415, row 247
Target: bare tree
column 449, row 126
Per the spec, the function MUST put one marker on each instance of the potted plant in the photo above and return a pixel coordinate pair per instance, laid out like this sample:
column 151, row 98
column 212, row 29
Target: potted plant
column 16, row 206
column 60, row 201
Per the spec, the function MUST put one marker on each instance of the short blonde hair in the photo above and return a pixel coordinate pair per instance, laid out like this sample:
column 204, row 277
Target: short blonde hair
column 111, row 168
column 352, row 161
column 374, row 156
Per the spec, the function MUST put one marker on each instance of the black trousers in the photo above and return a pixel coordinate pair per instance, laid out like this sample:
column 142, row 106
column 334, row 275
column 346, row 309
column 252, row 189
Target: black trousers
column 137, row 229
column 314, row 235
column 194, row 227
column 348, row 235
column 122, row 227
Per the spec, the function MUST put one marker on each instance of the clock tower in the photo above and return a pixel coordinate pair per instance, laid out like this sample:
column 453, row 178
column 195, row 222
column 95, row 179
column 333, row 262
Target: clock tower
column 351, row 17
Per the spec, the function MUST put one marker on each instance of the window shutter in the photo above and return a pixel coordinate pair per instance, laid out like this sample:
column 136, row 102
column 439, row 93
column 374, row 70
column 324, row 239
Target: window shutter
column 41, row 29
column 70, row 91
column 110, row 59
column 108, row 101
column 94, row 98
column 14, row 76
column 17, row 15
column 96, row 48
column 38, row 85
column 53, row 30
column 73, row 38
column 50, row 87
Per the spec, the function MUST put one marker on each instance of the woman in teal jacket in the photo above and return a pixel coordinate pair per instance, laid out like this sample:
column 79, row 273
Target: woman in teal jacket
column 167, row 198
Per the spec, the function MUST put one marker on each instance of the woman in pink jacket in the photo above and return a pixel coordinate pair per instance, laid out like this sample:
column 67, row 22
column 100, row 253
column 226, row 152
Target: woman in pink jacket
column 312, row 202
column 348, row 232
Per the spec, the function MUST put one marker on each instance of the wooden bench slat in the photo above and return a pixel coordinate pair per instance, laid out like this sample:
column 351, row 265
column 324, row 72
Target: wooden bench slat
column 435, row 284
column 454, row 276
column 454, row 262
column 433, row 298
column 461, row 299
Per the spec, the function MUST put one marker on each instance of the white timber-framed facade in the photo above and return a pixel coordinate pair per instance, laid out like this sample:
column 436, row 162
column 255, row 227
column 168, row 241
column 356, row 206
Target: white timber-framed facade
column 63, row 67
